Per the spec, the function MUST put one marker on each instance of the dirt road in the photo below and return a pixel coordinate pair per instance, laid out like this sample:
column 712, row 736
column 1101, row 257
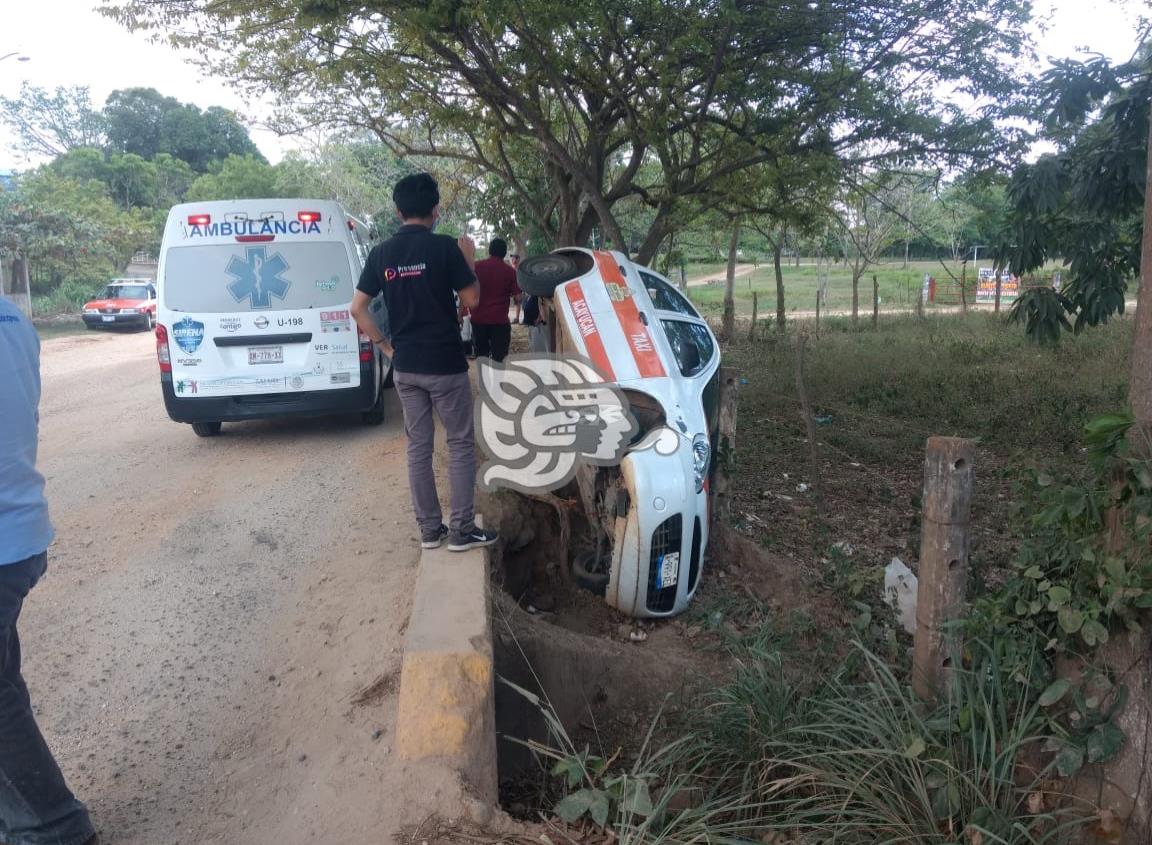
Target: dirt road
column 741, row 270
column 212, row 609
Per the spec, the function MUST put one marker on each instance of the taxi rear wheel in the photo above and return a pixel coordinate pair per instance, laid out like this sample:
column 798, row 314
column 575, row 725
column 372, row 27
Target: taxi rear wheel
column 206, row 429
column 540, row 274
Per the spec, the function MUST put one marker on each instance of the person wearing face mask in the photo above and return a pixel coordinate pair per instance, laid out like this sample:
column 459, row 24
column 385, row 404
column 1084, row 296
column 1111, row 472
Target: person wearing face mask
column 418, row 273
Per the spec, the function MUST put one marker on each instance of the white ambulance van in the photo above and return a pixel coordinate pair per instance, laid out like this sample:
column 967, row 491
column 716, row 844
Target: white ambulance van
column 253, row 316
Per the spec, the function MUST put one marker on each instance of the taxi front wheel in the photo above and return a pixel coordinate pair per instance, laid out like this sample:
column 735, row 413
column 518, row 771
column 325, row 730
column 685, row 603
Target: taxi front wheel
column 206, row 429
column 540, row 274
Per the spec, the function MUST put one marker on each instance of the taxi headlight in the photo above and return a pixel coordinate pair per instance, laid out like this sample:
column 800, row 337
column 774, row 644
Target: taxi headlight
column 701, row 451
column 91, row 310
column 129, row 310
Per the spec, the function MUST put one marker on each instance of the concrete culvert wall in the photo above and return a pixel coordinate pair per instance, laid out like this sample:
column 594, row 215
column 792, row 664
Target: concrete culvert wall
column 605, row 693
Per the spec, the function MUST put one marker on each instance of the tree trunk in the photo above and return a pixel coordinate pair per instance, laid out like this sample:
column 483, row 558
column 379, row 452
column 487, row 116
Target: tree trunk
column 21, row 292
column 875, row 302
column 1140, row 378
column 907, row 243
column 728, row 328
column 964, row 287
column 780, row 313
column 809, row 422
column 1130, row 768
column 661, row 227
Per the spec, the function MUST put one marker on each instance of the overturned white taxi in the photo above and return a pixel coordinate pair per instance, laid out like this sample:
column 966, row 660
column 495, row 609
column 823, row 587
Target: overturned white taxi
column 643, row 520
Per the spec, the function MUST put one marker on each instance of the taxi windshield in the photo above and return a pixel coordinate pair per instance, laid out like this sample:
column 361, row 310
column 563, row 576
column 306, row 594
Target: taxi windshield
column 124, row 292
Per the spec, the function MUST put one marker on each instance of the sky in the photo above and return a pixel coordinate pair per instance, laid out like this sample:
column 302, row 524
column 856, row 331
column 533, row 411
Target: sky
column 67, row 42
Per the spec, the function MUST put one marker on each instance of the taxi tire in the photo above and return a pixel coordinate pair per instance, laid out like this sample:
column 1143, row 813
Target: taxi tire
column 585, row 576
column 540, row 274
column 149, row 321
column 206, row 429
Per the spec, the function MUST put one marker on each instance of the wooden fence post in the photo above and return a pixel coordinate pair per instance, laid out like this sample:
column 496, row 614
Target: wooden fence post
column 752, row 329
column 725, row 445
column 943, row 577
column 817, row 312
column 809, row 422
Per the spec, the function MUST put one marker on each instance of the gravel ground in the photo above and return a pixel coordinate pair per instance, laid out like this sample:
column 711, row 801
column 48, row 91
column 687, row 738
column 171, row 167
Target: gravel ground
column 213, row 608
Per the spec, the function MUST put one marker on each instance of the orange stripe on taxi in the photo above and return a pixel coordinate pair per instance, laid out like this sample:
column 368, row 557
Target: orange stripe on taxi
column 639, row 338
column 586, row 324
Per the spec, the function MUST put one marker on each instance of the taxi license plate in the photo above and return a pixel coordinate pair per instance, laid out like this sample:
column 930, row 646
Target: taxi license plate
column 108, row 319
column 265, row 354
column 669, row 570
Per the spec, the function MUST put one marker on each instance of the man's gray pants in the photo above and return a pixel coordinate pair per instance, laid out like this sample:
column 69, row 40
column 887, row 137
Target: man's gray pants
column 451, row 398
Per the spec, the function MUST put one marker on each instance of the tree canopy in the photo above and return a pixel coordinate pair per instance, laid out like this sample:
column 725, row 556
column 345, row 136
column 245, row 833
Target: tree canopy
column 134, row 121
column 565, row 103
column 144, row 122
column 51, row 123
column 1084, row 203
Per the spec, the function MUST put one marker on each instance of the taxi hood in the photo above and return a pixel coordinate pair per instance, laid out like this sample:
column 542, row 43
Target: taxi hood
column 114, row 303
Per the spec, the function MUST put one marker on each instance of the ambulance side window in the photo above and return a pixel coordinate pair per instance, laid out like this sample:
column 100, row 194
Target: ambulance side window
column 361, row 246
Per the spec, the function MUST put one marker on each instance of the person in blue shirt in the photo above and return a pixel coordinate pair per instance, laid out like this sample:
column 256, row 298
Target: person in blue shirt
column 36, row 807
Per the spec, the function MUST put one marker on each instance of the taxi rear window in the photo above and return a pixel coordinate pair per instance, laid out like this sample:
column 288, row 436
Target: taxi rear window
column 225, row 278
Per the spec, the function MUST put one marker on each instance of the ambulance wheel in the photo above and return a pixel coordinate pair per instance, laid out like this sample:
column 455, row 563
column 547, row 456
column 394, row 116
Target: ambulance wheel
column 206, row 429
column 540, row 274
column 585, row 574
column 375, row 414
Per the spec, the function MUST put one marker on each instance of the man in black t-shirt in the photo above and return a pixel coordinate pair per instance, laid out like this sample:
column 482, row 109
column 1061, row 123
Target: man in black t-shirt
column 418, row 273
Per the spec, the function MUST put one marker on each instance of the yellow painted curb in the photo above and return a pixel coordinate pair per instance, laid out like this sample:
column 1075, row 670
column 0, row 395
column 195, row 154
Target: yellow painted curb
column 447, row 711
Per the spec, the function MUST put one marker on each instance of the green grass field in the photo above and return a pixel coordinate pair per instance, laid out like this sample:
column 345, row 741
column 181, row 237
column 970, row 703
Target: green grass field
column 970, row 376
column 899, row 286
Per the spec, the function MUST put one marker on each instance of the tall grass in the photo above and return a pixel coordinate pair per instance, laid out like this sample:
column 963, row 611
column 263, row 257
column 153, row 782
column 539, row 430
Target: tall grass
column 68, row 298
column 859, row 759
column 969, row 376
column 854, row 759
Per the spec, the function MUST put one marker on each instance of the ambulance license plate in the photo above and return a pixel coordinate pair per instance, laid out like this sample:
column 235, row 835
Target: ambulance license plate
column 265, row 354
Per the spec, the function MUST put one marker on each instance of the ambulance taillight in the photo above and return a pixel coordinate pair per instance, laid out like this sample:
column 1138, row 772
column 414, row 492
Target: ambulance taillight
column 163, row 356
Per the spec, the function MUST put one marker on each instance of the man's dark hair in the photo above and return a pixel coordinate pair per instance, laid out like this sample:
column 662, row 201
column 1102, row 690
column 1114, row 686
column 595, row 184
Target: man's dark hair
column 498, row 248
column 416, row 195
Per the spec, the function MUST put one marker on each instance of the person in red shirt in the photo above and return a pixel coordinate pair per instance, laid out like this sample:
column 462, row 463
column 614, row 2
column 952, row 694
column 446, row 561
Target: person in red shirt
column 491, row 329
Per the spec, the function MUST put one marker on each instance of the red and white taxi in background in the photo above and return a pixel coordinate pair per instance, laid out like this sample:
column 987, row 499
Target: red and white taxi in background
column 645, row 521
column 122, row 302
